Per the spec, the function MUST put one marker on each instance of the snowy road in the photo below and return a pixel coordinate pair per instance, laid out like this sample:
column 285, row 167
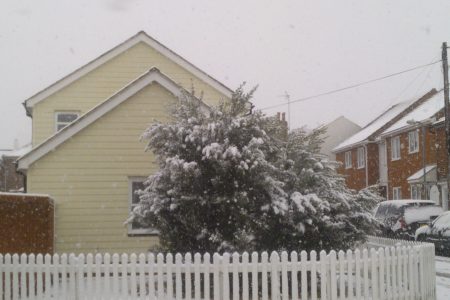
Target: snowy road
column 443, row 278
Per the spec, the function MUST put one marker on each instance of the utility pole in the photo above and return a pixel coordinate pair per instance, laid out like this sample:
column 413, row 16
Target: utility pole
column 447, row 113
column 288, row 98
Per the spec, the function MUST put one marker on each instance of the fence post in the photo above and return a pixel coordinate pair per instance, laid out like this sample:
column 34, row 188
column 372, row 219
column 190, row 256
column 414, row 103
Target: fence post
column 226, row 276
column 245, row 286
column 323, row 274
column 294, row 280
column 73, row 276
column 255, row 286
column 264, row 282
column 274, row 262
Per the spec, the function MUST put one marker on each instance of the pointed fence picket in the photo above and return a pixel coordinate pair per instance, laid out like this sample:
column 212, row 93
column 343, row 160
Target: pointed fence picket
column 399, row 270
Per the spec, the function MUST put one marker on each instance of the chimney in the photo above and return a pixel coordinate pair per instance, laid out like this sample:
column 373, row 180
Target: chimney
column 283, row 117
column 278, row 116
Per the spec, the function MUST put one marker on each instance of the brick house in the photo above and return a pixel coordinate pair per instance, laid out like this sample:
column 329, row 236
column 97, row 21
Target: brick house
column 10, row 179
column 416, row 153
column 363, row 155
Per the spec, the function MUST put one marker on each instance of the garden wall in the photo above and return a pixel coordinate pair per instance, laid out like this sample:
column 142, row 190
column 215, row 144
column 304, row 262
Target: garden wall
column 26, row 223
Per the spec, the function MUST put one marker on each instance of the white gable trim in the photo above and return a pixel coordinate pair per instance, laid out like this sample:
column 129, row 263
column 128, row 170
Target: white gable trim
column 140, row 37
column 153, row 75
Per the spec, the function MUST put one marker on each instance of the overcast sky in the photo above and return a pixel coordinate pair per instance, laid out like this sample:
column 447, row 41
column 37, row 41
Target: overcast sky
column 299, row 47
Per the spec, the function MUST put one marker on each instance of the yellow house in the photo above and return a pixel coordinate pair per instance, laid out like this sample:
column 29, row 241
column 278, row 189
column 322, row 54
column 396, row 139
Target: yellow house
column 86, row 149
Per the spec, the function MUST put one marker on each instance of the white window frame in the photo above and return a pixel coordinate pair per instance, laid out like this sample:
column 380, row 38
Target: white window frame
column 131, row 206
column 396, row 193
column 361, row 157
column 395, row 148
column 415, row 192
column 57, row 123
column 413, row 142
column 348, row 159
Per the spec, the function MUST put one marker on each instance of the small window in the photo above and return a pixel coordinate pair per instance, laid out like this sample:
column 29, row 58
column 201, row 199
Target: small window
column 348, row 159
column 135, row 228
column 64, row 118
column 361, row 157
column 396, row 193
column 413, row 141
column 395, row 148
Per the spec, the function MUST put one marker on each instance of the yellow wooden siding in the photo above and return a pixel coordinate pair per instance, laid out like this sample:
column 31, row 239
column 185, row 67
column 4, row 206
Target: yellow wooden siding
column 93, row 88
column 88, row 176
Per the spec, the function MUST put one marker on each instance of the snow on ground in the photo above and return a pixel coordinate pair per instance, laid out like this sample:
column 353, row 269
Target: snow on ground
column 442, row 288
column 442, row 278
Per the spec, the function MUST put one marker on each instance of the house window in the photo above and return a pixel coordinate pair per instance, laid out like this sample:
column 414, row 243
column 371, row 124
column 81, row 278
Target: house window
column 415, row 192
column 395, row 148
column 348, row 159
column 62, row 119
column 361, row 157
column 396, row 193
column 413, row 141
column 135, row 184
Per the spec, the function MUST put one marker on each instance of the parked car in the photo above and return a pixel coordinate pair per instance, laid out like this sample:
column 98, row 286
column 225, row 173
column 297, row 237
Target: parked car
column 437, row 232
column 401, row 218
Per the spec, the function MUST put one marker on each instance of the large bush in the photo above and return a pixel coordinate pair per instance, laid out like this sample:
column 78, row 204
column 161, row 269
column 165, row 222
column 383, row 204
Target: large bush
column 231, row 180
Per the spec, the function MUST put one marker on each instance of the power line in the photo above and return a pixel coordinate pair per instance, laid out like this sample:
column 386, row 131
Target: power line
column 351, row 86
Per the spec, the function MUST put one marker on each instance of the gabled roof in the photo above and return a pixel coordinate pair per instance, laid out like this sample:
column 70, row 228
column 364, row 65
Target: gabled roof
column 149, row 77
column 418, row 176
column 367, row 132
column 139, row 37
column 421, row 113
column 382, row 122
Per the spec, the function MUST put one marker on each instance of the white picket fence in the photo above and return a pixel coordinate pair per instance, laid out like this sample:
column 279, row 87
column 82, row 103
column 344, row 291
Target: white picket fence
column 403, row 271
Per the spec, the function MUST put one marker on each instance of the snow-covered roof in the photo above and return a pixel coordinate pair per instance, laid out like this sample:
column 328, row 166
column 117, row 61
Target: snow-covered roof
column 400, row 203
column 421, row 113
column 140, row 37
column 15, row 152
column 373, row 126
column 153, row 75
column 5, row 152
column 418, row 175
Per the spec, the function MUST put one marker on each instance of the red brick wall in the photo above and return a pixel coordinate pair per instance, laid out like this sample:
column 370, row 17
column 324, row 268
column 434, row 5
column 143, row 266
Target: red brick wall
column 410, row 163
column 441, row 153
column 373, row 162
column 26, row 223
column 10, row 180
column 356, row 178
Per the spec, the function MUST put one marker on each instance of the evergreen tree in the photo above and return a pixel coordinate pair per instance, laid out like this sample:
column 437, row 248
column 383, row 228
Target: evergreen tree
column 228, row 180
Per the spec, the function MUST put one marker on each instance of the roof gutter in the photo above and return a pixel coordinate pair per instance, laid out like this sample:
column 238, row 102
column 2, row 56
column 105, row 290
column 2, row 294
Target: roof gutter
column 358, row 144
column 419, row 124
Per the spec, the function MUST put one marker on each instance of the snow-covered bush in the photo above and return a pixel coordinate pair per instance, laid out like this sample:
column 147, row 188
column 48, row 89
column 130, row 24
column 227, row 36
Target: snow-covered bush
column 228, row 180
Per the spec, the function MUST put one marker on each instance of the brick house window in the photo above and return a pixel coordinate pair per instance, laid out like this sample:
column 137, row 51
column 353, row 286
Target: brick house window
column 396, row 193
column 361, row 157
column 413, row 141
column 415, row 192
column 395, row 148
column 62, row 119
column 348, row 159
column 134, row 228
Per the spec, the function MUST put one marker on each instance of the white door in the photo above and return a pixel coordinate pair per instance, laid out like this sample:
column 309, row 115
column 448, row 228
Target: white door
column 434, row 194
column 444, row 198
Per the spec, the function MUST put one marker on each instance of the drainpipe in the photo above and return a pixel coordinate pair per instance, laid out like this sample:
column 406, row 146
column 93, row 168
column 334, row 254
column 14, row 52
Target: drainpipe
column 387, row 169
column 366, row 166
column 423, row 163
